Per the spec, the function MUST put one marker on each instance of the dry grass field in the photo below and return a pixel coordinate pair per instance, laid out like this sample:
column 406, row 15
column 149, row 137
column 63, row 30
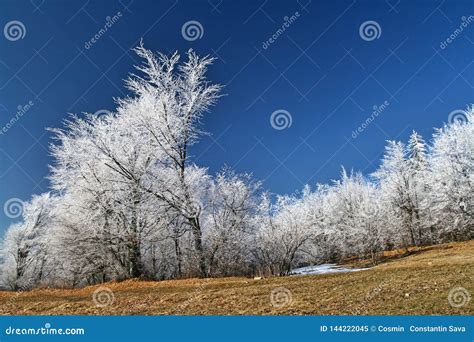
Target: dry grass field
column 417, row 284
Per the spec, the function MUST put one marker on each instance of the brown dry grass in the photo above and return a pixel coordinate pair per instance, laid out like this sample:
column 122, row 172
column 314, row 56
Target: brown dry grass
column 414, row 285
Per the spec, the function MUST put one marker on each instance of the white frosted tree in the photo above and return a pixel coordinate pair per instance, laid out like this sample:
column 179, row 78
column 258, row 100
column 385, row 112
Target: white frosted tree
column 228, row 222
column 169, row 103
column 355, row 213
column 393, row 177
column 282, row 231
column 451, row 181
column 25, row 246
column 417, row 161
column 146, row 143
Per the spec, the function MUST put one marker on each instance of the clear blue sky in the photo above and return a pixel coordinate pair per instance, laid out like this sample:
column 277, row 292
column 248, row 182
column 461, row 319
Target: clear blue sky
column 319, row 69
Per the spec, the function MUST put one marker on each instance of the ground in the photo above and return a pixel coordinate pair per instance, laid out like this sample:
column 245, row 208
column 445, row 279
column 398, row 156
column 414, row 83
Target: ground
column 417, row 284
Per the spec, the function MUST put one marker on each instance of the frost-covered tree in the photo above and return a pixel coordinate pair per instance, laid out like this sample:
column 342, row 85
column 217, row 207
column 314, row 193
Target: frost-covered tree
column 169, row 103
column 451, row 180
column 25, row 246
column 356, row 217
column 395, row 180
column 282, row 230
column 112, row 210
column 417, row 160
column 145, row 144
column 228, row 222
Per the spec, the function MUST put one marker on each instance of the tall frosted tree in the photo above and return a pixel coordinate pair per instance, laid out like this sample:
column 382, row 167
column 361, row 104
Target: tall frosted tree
column 451, row 199
column 417, row 186
column 146, row 143
column 393, row 177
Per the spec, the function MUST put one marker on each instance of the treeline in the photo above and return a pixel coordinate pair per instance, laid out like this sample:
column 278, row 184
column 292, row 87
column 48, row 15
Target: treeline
column 127, row 201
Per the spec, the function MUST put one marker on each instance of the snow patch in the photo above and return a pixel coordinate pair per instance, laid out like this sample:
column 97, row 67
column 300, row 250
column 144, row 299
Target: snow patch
column 323, row 269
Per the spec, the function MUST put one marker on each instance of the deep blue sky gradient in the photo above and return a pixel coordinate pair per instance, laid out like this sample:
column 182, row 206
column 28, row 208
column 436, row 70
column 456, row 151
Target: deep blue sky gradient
column 319, row 70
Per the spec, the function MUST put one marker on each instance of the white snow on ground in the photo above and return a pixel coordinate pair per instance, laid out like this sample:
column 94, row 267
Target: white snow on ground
column 323, row 269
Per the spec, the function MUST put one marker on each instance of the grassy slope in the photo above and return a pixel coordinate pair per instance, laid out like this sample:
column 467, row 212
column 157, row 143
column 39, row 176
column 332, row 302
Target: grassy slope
column 417, row 284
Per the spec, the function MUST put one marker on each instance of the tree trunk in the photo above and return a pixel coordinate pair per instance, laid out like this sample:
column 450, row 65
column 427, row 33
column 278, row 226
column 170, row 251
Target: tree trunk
column 135, row 256
column 177, row 249
column 196, row 229
column 136, row 269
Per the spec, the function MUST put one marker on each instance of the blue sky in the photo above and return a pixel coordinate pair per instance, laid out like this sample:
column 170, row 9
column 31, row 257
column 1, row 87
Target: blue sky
column 320, row 70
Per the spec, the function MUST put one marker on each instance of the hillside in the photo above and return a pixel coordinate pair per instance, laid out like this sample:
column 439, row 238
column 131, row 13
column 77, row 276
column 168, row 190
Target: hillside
column 417, row 284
